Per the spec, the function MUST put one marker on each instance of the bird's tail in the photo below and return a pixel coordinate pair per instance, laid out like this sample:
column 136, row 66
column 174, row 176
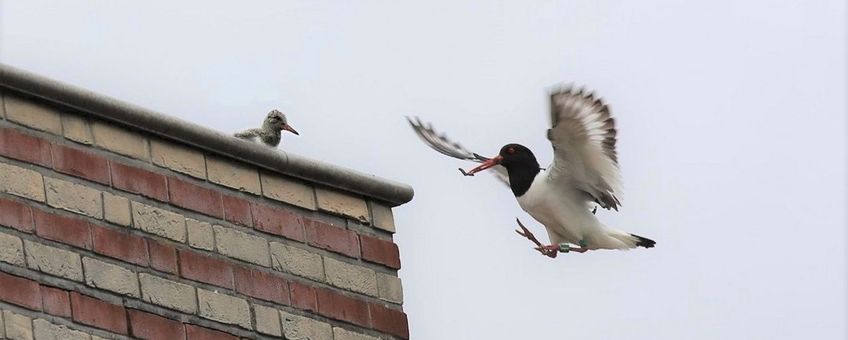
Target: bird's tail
column 643, row 241
column 628, row 241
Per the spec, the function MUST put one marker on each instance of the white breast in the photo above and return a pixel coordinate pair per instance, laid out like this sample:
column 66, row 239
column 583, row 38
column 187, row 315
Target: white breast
column 563, row 211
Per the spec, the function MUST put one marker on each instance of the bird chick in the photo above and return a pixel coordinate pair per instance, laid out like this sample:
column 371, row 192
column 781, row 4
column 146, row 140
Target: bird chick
column 271, row 131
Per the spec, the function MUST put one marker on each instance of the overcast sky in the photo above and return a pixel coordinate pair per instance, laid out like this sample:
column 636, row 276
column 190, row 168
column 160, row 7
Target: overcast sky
column 732, row 134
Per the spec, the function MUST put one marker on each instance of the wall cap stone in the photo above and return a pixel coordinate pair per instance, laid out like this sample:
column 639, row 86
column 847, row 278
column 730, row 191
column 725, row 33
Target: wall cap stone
column 136, row 117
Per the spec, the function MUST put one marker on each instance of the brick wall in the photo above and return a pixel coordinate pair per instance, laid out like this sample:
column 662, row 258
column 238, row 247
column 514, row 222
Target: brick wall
column 109, row 232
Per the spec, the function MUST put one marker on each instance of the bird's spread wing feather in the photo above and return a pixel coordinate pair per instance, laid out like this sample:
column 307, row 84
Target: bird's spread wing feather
column 443, row 145
column 583, row 136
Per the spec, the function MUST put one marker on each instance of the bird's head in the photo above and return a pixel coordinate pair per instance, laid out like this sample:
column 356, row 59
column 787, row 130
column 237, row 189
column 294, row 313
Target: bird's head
column 513, row 157
column 277, row 121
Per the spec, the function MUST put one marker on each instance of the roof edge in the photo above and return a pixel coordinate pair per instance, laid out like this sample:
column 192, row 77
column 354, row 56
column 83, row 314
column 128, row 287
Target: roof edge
column 276, row 160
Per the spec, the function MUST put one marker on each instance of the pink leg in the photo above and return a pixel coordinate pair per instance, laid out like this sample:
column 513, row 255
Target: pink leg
column 526, row 233
column 550, row 250
column 555, row 248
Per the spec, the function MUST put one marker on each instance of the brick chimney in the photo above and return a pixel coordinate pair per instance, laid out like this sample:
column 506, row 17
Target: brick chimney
column 117, row 222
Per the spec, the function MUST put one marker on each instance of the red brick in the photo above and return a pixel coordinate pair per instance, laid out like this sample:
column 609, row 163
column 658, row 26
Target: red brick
column 96, row 313
column 237, row 210
column 139, row 181
column 163, row 257
column 341, row 307
column 201, row 268
column 16, row 215
column 389, row 320
column 152, row 326
column 194, row 197
column 124, row 247
column 277, row 222
column 380, row 251
column 202, row 333
column 14, row 144
column 261, row 285
column 323, row 235
column 55, row 301
column 303, row 296
column 20, row 291
column 68, row 230
column 76, row 162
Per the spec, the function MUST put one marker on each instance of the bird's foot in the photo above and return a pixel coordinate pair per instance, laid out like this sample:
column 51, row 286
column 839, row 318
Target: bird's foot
column 526, row 233
column 552, row 250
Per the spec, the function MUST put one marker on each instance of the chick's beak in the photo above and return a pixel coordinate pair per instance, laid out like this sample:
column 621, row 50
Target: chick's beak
column 290, row 129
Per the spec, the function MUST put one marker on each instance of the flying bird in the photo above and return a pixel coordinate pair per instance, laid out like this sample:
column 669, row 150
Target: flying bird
column 271, row 131
column 583, row 175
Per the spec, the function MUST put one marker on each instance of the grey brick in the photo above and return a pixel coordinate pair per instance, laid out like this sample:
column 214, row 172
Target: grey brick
column 299, row 327
column 348, row 276
column 21, row 182
column 342, row 204
column 167, row 293
column 44, row 330
column 12, row 250
column 297, row 261
column 73, row 197
column 116, row 209
column 18, row 327
column 343, row 334
column 99, row 274
column 120, row 140
column 236, row 175
column 200, row 234
column 178, row 158
column 288, row 190
column 242, row 246
column 383, row 217
column 224, row 308
column 54, row 261
column 77, row 129
column 390, row 288
column 267, row 320
column 34, row 115
column 157, row 221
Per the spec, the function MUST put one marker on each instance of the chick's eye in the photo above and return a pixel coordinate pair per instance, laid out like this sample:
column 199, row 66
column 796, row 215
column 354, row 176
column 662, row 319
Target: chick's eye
column 510, row 150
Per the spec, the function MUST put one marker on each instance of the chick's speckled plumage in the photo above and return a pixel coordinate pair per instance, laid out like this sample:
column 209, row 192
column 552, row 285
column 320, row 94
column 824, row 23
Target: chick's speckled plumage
column 271, row 131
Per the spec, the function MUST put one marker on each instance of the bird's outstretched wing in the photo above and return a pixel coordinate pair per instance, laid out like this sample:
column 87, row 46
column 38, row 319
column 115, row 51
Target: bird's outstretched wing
column 583, row 136
column 447, row 147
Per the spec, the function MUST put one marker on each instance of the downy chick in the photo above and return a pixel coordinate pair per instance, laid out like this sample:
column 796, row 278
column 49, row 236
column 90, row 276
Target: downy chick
column 271, row 131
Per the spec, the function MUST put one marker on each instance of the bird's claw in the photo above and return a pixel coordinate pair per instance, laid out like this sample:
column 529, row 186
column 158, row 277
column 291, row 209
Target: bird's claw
column 526, row 233
column 549, row 250
column 464, row 173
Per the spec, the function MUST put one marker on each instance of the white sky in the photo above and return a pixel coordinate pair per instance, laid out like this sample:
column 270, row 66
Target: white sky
column 732, row 140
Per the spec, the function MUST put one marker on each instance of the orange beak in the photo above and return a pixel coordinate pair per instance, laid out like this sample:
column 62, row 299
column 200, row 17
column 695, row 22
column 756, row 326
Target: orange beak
column 290, row 129
column 487, row 164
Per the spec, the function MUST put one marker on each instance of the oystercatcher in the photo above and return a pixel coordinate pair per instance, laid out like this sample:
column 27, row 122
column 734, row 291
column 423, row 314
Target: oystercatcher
column 270, row 133
column 583, row 175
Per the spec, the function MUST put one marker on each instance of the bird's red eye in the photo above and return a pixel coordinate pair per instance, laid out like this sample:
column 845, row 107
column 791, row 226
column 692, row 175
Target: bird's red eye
column 510, row 150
